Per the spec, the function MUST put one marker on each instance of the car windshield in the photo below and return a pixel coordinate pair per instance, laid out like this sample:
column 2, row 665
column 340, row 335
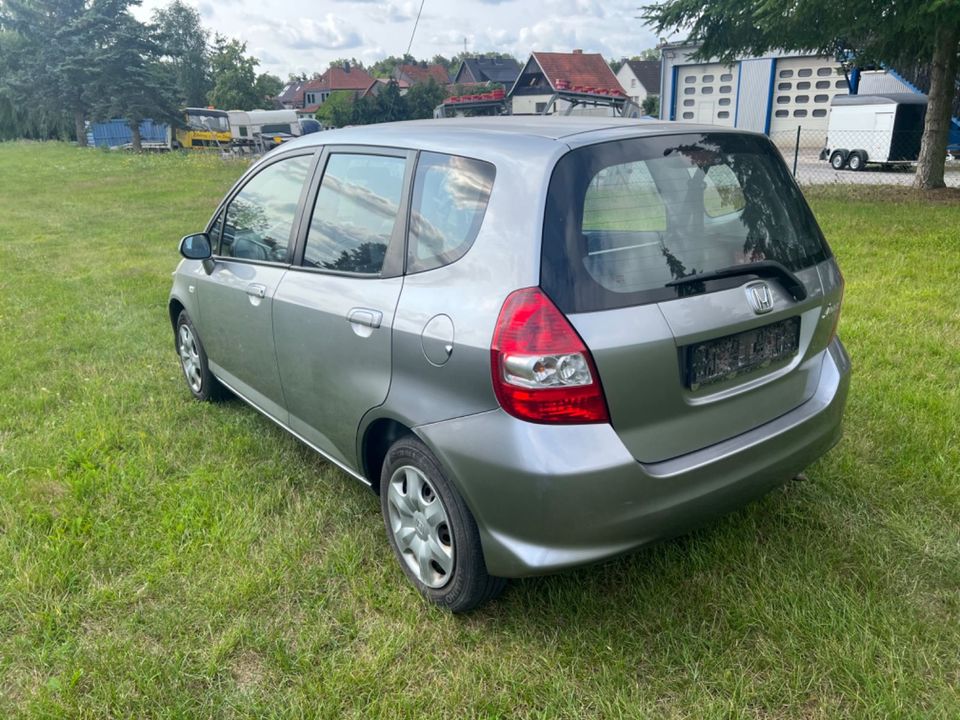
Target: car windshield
column 206, row 121
column 625, row 220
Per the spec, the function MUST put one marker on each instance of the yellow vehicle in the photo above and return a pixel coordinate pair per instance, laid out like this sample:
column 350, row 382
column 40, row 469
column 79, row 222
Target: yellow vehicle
column 205, row 127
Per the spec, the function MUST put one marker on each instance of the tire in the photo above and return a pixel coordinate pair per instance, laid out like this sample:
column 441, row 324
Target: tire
column 193, row 362
column 838, row 159
column 857, row 160
column 431, row 530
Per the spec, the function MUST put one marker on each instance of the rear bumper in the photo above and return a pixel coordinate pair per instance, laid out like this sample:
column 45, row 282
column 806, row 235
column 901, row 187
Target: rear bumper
column 549, row 497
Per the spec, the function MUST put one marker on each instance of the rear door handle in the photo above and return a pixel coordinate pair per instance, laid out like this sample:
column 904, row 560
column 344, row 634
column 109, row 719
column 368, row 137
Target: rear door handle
column 365, row 316
column 257, row 290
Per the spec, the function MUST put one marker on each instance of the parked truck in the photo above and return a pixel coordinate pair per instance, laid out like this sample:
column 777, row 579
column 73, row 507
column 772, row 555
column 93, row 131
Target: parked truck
column 203, row 127
column 882, row 129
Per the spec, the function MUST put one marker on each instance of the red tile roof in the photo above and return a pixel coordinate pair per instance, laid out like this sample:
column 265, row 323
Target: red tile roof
column 415, row 73
column 336, row 78
column 584, row 69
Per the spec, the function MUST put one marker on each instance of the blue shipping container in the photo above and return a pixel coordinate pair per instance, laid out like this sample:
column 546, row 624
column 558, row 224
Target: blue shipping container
column 116, row 133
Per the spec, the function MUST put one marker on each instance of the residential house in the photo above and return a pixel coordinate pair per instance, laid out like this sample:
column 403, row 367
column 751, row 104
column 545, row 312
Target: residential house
column 539, row 79
column 291, row 97
column 307, row 96
column 488, row 70
column 411, row 74
column 640, row 79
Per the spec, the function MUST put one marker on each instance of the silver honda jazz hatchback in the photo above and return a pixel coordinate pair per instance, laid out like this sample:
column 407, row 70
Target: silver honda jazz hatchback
column 542, row 341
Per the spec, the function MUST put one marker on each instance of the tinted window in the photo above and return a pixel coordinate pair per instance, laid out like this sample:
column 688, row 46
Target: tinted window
column 450, row 196
column 355, row 213
column 726, row 77
column 804, row 72
column 625, row 218
column 260, row 217
column 824, row 71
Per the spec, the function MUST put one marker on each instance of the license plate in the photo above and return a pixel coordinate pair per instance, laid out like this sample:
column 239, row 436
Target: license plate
column 728, row 357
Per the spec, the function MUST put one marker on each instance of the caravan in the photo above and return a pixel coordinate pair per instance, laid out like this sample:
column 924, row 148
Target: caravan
column 268, row 128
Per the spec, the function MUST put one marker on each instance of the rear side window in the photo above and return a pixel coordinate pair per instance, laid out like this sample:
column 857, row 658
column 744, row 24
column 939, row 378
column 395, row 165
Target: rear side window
column 625, row 218
column 355, row 214
column 450, row 196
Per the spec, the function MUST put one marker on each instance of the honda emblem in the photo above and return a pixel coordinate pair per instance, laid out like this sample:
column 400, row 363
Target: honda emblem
column 760, row 297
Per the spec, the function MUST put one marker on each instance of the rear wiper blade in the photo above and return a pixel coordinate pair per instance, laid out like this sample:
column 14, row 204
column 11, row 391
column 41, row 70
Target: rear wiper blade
column 765, row 268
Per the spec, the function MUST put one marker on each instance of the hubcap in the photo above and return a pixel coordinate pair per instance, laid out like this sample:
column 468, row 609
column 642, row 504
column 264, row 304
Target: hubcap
column 420, row 526
column 189, row 357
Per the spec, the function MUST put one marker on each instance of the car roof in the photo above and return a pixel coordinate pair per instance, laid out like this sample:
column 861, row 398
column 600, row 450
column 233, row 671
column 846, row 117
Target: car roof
column 527, row 136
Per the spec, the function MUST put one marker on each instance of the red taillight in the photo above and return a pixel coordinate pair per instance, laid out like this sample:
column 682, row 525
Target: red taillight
column 542, row 372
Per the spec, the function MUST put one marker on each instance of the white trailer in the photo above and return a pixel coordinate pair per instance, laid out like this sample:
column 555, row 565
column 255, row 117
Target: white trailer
column 269, row 127
column 883, row 129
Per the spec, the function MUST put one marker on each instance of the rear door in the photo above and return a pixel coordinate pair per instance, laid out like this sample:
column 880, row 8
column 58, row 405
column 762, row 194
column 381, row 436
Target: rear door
column 688, row 364
column 253, row 236
column 334, row 310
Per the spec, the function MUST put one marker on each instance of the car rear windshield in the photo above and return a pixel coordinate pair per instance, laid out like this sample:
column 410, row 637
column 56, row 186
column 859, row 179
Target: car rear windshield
column 625, row 218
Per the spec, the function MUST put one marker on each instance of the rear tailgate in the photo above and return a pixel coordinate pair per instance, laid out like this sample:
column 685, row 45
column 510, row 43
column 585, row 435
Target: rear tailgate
column 687, row 366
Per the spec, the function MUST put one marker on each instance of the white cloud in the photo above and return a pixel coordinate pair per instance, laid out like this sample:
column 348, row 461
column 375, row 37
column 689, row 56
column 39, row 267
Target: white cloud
column 294, row 37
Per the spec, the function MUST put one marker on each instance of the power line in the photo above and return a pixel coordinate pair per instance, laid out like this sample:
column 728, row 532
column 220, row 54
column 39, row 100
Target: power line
column 416, row 22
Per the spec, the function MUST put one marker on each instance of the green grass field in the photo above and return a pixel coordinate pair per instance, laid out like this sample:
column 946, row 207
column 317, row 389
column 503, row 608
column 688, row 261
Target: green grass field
column 164, row 558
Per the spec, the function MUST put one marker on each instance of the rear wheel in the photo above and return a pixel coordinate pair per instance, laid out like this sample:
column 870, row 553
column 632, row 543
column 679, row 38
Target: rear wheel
column 193, row 361
column 431, row 530
column 857, row 160
column 838, row 160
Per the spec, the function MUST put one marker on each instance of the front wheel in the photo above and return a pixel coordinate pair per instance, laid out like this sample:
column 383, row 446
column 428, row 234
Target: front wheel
column 193, row 361
column 431, row 530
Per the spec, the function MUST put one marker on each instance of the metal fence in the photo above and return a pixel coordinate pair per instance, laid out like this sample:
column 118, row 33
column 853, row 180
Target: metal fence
column 872, row 157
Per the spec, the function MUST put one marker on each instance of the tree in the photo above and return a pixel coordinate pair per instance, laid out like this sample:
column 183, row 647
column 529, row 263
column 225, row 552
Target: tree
column 387, row 68
column 61, row 40
column 651, row 105
column 236, row 84
column 183, row 41
column 878, row 32
column 131, row 83
column 422, row 98
column 267, row 87
column 338, row 109
column 234, row 75
column 390, row 105
column 20, row 119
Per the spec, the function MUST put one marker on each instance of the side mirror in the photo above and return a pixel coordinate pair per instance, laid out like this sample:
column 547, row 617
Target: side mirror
column 196, row 246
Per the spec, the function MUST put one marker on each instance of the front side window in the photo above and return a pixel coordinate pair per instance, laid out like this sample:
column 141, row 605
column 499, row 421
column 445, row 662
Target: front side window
column 260, row 217
column 624, row 219
column 356, row 213
column 450, row 196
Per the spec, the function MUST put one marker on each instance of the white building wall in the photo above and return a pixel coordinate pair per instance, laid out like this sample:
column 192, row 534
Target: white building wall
column 631, row 85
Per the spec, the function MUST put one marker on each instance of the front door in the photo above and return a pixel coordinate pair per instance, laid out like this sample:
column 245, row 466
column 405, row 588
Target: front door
column 334, row 309
column 236, row 299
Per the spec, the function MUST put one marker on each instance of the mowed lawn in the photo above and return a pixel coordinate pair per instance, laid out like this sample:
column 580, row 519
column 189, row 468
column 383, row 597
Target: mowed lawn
column 164, row 558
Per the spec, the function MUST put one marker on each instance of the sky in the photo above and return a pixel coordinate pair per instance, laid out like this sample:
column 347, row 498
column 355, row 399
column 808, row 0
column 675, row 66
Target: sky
column 293, row 37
